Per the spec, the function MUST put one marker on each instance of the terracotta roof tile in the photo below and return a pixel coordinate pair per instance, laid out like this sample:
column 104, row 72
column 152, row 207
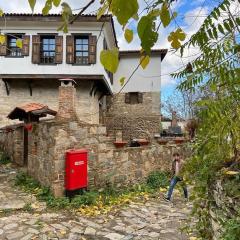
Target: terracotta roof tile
column 32, row 107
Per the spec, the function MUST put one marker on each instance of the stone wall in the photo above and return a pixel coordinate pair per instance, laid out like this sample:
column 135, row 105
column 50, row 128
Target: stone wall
column 224, row 206
column 46, row 91
column 49, row 140
column 11, row 141
column 140, row 120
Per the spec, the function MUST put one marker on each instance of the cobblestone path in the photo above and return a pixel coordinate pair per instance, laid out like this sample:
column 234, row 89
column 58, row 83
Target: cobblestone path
column 155, row 219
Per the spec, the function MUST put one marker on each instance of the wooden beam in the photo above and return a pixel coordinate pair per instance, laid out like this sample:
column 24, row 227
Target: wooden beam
column 7, row 87
column 101, row 96
column 52, row 76
column 30, row 87
column 92, row 88
column 38, row 77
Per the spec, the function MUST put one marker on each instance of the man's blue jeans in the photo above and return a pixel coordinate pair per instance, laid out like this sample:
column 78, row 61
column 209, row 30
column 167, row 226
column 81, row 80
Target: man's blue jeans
column 173, row 183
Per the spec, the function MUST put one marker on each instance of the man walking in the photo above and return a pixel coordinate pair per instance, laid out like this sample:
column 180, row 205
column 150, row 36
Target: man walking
column 176, row 169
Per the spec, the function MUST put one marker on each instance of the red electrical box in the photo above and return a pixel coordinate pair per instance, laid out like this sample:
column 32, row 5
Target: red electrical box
column 76, row 169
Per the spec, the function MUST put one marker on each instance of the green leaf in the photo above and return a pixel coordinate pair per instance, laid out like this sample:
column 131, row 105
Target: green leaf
column 19, row 43
column 1, row 12
column 210, row 33
column 101, row 11
column 238, row 21
column 56, row 2
column 110, row 59
column 122, row 81
column 47, row 7
column 214, row 14
column 32, row 4
column 154, row 13
column 2, row 39
column 144, row 61
column 220, row 28
column 223, row 7
column 215, row 33
column 128, row 35
column 176, row 37
column 147, row 33
column 46, row 10
column 174, row 15
column 226, row 25
column 165, row 15
column 124, row 9
column 135, row 17
column 66, row 9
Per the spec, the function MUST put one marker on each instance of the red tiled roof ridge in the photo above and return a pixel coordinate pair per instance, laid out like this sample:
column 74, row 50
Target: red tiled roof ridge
column 32, row 106
column 51, row 14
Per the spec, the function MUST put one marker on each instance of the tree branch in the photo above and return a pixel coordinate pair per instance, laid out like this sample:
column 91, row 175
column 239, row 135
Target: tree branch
column 79, row 14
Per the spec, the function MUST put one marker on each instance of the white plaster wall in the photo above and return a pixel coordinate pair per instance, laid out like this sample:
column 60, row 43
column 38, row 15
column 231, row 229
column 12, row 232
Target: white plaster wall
column 147, row 80
column 46, row 92
column 25, row 66
column 166, row 125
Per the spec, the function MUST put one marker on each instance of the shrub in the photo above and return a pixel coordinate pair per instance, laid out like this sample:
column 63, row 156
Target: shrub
column 87, row 198
column 26, row 182
column 157, row 179
column 4, row 158
column 231, row 229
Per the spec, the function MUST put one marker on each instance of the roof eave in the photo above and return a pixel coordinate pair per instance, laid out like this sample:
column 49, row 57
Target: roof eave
column 154, row 52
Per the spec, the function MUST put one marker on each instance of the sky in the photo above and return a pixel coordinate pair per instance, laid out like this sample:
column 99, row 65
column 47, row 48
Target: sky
column 191, row 14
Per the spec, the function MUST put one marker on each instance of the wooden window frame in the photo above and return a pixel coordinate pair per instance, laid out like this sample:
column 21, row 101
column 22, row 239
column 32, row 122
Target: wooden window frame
column 134, row 98
column 47, row 36
column 76, row 37
column 16, row 36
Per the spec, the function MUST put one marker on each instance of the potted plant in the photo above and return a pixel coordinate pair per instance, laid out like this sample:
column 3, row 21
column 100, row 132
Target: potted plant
column 179, row 140
column 119, row 144
column 162, row 141
column 142, row 141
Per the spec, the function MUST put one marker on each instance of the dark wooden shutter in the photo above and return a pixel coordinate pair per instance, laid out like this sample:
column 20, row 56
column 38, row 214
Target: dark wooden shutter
column 3, row 48
column 59, row 49
column 70, row 49
column 127, row 97
column 25, row 47
column 36, row 46
column 140, row 97
column 92, row 49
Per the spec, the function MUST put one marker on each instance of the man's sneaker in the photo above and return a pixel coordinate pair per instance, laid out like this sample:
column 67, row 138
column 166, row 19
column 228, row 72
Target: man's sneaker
column 166, row 199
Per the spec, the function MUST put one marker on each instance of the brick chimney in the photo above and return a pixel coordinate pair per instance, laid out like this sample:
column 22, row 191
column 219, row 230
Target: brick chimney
column 174, row 119
column 66, row 100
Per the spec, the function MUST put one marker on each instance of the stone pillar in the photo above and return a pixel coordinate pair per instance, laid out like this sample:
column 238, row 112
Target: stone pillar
column 174, row 119
column 67, row 95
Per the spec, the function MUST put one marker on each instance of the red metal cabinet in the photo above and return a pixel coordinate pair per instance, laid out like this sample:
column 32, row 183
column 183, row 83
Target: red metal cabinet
column 76, row 169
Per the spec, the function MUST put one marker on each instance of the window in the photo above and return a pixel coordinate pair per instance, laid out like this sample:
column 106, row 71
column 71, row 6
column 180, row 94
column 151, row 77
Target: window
column 48, row 50
column 12, row 49
column 133, row 97
column 81, row 50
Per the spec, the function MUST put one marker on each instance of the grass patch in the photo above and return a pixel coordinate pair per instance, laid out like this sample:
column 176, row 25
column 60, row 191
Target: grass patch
column 94, row 202
column 4, row 158
column 158, row 179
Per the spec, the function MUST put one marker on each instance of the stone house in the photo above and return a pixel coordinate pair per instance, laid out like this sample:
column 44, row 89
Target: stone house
column 31, row 74
column 90, row 111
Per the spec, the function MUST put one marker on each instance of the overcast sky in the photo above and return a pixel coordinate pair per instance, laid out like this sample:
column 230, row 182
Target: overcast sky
column 191, row 14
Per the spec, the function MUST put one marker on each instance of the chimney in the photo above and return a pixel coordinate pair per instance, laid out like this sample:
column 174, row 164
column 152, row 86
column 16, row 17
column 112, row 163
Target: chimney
column 66, row 100
column 174, row 119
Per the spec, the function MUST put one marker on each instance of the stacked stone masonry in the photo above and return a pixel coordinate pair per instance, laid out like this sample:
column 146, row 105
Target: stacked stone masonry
column 49, row 140
column 11, row 141
column 140, row 120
